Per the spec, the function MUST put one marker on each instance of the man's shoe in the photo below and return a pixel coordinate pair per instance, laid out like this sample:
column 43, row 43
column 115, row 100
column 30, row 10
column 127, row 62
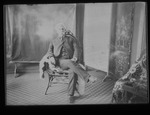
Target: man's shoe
column 92, row 79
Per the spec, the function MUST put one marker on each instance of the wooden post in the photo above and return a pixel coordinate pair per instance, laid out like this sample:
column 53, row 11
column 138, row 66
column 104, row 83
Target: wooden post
column 79, row 28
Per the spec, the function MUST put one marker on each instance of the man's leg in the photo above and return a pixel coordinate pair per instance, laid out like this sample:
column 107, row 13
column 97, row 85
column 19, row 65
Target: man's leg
column 83, row 74
column 76, row 68
column 73, row 78
column 76, row 74
column 75, row 84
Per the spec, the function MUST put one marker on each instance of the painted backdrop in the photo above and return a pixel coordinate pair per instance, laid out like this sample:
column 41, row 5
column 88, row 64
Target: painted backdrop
column 30, row 27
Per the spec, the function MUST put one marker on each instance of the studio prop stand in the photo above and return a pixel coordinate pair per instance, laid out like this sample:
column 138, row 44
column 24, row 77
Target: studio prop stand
column 15, row 68
column 16, row 74
column 15, row 71
column 109, row 76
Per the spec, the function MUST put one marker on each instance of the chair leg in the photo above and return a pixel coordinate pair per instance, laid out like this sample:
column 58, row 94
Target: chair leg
column 112, row 99
column 49, row 83
column 125, row 98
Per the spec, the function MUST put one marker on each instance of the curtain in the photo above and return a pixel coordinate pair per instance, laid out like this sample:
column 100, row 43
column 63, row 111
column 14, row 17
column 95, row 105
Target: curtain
column 121, row 39
column 29, row 28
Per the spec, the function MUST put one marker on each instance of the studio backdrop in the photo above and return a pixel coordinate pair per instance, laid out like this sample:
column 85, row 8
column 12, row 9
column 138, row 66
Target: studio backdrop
column 29, row 28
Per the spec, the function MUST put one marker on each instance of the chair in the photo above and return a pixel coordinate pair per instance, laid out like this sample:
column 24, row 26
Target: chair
column 53, row 74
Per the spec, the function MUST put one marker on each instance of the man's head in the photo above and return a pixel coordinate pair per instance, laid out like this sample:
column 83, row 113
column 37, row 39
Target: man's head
column 60, row 28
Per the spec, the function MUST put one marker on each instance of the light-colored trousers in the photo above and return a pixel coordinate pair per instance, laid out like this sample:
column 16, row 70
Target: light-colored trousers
column 78, row 76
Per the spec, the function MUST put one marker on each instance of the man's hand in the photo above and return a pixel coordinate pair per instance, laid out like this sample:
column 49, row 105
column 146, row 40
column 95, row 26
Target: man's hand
column 58, row 69
column 74, row 59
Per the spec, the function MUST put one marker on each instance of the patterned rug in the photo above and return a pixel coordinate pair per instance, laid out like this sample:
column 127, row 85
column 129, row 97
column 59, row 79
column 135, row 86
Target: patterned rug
column 29, row 89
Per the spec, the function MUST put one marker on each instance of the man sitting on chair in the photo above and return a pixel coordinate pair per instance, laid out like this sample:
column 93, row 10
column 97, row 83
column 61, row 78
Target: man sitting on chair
column 65, row 50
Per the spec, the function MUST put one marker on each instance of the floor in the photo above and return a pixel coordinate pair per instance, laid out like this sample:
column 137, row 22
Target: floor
column 29, row 89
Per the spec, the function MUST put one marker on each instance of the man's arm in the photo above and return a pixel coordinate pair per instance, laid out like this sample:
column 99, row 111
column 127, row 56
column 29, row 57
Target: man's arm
column 50, row 49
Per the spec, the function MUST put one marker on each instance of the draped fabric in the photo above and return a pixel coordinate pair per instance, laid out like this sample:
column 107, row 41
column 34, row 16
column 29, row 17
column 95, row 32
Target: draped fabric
column 136, row 78
column 121, row 38
column 29, row 28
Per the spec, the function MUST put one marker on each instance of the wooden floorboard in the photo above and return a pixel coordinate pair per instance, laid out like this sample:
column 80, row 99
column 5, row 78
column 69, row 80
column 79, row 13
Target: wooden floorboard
column 29, row 89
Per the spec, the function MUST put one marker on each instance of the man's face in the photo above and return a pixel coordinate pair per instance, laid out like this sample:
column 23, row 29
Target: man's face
column 61, row 31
